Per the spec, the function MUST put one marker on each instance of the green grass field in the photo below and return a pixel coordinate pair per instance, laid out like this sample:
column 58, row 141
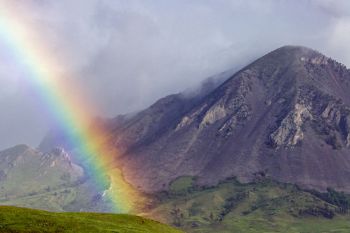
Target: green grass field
column 261, row 207
column 230, row 207
column 18, row 220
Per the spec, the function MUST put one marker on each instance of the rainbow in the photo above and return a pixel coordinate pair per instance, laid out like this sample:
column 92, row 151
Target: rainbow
column 69, row 107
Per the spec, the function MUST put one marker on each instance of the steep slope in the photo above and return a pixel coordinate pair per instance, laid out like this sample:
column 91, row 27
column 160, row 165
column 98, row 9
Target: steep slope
column 285, row 116
column 26, row 220
column 155, row 118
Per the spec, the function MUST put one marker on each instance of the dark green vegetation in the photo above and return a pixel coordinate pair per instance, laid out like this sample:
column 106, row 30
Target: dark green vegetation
column 263, row 206
column 13, row 219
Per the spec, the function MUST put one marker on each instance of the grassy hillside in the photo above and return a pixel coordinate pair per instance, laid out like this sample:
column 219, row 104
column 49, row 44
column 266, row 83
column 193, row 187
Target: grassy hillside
column 48, row 181
column 260, row 207
column 13, row 219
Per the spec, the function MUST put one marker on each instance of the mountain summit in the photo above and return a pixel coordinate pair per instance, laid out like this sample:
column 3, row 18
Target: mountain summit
column 285, row 116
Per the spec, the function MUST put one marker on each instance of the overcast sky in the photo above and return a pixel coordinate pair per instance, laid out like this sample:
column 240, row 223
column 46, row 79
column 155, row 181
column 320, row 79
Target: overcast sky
column 128, row 53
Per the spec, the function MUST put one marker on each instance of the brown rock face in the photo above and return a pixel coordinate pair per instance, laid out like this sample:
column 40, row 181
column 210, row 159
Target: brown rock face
column 286, row 115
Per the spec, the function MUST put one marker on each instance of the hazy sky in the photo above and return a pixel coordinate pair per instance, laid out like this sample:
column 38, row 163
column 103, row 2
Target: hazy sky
column 128, row 53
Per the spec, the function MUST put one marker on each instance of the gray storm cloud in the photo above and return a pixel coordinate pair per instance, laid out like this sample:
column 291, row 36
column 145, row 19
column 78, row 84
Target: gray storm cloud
column 126, row 54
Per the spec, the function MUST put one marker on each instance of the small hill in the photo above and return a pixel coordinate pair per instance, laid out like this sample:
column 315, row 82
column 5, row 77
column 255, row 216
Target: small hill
column 25, row 171
column 49, row 181
column 13, row 219
column 263, row 206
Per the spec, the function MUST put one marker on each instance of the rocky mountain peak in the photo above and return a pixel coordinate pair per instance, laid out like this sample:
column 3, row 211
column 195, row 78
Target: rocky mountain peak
column 296, row 51
column 279, row 77
column 295, row 54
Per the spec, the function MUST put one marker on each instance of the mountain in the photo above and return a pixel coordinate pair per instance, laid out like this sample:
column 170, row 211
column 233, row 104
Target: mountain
column 22, row 220
column 266, row 150
column 285, row 116
column 49, row 181
column 27, row 171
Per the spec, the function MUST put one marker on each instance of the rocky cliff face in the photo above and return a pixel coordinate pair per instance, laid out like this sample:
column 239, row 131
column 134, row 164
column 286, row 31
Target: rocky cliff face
column 286, row 116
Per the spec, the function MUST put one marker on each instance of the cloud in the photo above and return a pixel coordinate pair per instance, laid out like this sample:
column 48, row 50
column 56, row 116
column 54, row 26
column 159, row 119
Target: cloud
column 339, row 40
column 128, row 53
column 338, row 9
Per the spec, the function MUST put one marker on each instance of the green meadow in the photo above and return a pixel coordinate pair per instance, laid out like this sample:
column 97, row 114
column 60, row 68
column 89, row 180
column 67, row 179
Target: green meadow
column 18, row 220
column 230, row 207
column 260, row 207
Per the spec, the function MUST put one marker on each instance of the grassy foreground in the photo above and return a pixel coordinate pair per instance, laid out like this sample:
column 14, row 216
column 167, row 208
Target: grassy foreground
column 14, row 219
